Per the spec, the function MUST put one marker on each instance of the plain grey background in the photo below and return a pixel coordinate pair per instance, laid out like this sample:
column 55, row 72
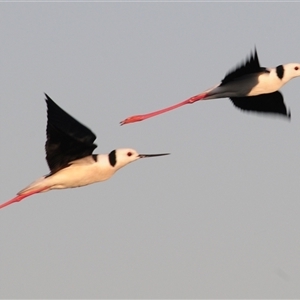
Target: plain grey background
column 217, row 218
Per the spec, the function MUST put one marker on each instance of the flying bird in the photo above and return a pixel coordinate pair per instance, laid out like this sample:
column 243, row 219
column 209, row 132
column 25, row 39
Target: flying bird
column 249, row 86
column 69, row 154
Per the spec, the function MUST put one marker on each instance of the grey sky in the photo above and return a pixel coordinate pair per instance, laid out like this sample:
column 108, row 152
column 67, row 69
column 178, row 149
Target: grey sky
column 217, row 218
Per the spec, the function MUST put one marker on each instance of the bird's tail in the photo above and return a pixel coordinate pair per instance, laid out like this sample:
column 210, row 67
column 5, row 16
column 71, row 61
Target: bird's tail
column 39, row 183
column 37, row 186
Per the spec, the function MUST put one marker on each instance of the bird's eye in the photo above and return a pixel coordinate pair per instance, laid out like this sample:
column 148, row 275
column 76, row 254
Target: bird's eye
column 296, row 68
column 129, row 153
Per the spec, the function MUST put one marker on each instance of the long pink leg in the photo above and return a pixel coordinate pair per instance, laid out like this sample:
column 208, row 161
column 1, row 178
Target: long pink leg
column 18, row 198
column 139, row 118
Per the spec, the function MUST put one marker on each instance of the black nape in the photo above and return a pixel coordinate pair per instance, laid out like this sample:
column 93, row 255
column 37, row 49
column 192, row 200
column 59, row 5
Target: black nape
column 112, row 158
column 280, row 71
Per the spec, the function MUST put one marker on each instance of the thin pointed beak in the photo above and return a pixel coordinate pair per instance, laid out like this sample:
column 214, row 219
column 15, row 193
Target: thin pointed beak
column 152, row 155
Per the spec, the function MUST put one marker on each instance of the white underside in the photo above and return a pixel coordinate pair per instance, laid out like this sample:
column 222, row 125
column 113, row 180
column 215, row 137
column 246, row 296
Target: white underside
column 80, row 173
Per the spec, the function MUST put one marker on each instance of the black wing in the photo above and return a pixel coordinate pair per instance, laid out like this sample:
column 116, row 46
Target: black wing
column 264, row 103
column 250, row 66
column 67, row 139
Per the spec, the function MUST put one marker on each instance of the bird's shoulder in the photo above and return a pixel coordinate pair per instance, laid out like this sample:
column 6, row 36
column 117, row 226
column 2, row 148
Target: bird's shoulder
column 87, row 160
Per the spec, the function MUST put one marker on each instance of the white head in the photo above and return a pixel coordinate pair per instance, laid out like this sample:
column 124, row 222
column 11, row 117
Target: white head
column 290, row 71
column 121, row 157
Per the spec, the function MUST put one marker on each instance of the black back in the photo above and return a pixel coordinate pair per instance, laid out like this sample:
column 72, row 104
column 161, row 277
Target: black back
column 250, row 66
column 264, row 103
column 67, row 139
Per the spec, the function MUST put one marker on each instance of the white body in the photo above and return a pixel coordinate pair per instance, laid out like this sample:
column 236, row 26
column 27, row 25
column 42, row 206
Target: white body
column 249, row 85
column 82, row 172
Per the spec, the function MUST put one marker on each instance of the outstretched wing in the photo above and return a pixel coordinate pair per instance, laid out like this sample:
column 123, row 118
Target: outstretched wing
column 67, row 139
column 264, row 103
column 250, row 66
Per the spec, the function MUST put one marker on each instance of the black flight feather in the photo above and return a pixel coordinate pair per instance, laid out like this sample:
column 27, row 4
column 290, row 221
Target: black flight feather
column 67, row 139
column 250, row 66
column 265, row 103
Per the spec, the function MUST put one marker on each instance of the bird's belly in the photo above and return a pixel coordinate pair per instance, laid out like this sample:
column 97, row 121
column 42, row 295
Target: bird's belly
column 77, row 176
column 262, row 89
column 266, row 84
